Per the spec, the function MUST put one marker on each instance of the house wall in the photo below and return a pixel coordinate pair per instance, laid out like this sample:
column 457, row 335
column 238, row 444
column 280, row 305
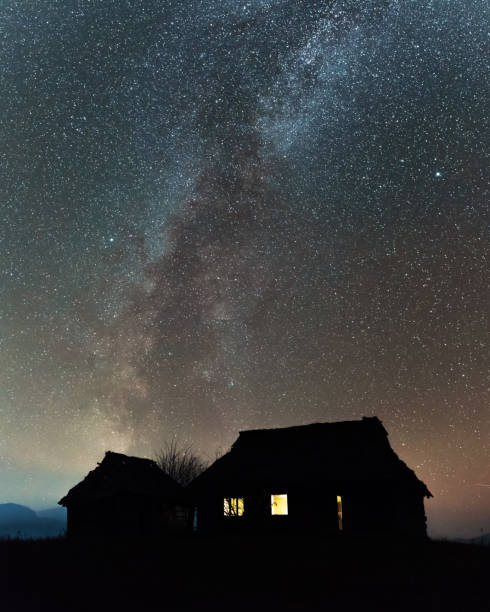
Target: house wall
column 371, row 508
column 125, row 515
column 307, row 509
column 409, row 513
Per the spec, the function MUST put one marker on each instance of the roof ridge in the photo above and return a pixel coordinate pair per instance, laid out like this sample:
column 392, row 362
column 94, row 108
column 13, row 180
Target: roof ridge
column 119, row 472
column 365, row 420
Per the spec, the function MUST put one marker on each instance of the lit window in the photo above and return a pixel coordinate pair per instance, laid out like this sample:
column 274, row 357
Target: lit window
column 279, row 504
column 233, row 506
column 339, row 511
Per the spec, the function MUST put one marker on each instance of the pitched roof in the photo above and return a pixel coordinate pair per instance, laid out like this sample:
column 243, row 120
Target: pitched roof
column 118, row 473
column 319, row 452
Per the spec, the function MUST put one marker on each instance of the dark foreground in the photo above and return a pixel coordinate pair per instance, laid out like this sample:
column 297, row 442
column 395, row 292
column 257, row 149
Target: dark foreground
column 280, row 573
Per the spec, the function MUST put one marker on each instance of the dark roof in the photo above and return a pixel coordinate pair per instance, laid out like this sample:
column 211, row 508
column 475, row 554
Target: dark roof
column 341, row 451
column 118, row 473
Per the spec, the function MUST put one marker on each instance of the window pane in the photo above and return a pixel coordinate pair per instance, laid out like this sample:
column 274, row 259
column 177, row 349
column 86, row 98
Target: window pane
column 233, row 506
column 279, row 504
column 339, row 512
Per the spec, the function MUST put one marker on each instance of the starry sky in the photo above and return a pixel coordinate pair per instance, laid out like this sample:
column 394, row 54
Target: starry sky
column 221, row 215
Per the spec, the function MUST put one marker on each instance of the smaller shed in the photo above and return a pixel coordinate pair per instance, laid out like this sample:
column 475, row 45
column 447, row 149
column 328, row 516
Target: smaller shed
column 125, row 497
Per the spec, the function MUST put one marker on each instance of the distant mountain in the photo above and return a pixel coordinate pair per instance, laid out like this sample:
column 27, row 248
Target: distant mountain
column 59, row 513
column 481, row 540
column 18, row 521
column 16, row 513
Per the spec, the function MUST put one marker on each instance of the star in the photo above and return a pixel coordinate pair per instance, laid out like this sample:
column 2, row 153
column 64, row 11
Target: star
column 220, row 216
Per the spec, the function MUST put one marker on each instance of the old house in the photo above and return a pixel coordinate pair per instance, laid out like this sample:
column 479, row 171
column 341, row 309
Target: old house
column 333, row 477
column 127, row 497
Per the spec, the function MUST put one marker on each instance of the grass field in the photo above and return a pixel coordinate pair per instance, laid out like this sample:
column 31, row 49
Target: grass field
column 240, row 573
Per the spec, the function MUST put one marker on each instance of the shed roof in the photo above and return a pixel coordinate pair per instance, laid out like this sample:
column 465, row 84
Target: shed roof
column 319, row 452
column 118, row 473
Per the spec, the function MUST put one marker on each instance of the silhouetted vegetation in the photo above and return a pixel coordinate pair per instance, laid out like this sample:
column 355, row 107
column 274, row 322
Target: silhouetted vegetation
column 180, row 463
column 244, row 573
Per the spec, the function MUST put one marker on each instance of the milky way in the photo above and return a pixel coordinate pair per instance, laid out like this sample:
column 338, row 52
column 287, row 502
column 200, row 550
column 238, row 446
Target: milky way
column 223, row 215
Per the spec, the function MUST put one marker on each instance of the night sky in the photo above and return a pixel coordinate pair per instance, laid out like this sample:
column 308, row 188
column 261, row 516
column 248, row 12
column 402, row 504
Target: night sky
column 221, row 215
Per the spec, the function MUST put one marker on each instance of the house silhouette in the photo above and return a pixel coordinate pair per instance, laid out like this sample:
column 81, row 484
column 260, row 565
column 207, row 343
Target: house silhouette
column 125, row 496
column 340, row 477
column 333, row 477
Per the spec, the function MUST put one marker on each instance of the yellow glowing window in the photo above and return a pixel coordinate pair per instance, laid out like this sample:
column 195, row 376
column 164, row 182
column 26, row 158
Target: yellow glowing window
column 339, row 511
column 279, row 504
column 233, row 506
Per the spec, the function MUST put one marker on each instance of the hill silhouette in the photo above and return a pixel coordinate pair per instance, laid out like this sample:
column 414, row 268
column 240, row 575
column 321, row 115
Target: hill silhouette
column 18, row 521
column 58, row 513
column 16, row 513
column 480, row 540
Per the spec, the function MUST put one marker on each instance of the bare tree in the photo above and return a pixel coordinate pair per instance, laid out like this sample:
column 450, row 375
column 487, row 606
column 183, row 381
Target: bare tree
column 182, row 464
